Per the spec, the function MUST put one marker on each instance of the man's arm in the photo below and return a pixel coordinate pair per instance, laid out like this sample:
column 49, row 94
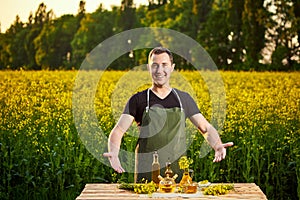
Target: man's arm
column 114, row 141
column 211, row 135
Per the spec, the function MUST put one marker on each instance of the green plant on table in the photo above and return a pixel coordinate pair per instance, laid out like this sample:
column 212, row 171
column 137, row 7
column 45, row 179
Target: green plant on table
column 219, row 189
column 140, row 188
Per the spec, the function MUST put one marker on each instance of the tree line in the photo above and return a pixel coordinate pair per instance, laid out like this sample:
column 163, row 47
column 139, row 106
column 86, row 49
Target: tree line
column 237, row 34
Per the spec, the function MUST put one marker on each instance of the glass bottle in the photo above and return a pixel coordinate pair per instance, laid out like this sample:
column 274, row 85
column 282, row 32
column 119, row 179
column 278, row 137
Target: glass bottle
column 167, row 184
column 155, row 168
column 186, row 178
column 168, row 169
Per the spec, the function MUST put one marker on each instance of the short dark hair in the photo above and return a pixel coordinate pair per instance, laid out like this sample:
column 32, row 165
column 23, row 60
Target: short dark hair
column 160, row 50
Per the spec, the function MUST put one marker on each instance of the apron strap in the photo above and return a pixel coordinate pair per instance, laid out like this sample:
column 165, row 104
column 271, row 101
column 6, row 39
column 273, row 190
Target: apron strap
column 181, row 107
column 148, row 99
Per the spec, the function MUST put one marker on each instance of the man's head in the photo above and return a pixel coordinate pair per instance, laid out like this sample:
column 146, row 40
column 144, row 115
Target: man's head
column 160, row 50
column 160, row 66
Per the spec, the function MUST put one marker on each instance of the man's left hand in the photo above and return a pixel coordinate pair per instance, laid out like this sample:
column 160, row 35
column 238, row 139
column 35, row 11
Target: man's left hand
column 220, row 151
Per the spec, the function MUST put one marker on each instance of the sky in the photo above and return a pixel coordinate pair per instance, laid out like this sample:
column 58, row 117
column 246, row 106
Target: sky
column 9, row 9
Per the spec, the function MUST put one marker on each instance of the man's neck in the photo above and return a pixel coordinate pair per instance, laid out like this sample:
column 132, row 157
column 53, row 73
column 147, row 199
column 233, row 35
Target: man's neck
column 161, row 92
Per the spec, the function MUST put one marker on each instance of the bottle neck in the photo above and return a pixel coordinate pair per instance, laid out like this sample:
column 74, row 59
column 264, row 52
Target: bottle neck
column 168, row 170
column 155, row 157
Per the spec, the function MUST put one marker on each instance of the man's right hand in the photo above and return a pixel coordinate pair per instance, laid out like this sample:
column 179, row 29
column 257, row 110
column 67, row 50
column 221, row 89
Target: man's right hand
column 114, row 162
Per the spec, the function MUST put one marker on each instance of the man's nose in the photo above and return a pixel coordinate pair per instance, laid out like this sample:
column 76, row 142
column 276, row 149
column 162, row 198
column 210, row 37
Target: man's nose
column 159, row 68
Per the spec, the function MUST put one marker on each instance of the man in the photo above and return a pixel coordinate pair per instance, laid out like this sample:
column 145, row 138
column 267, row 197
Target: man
column 160, row 113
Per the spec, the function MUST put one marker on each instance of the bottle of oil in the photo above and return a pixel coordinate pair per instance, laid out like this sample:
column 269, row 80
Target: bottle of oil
column 168, row 169
column 167, row 184
column 155, row 168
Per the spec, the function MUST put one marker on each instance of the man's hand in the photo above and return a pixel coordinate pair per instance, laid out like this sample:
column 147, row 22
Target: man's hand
column 220, row 151
column 114, row 162
column 114, row 141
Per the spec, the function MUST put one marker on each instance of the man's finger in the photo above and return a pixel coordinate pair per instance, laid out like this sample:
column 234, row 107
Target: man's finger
column 217, row 159
column 107, row 155
column 224, row 155
column 119, row 169
column 228, row 144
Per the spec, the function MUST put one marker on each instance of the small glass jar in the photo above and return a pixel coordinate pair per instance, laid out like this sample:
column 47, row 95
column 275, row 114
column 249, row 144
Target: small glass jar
column 186, row 178
column 167, row 184
column 190, row 188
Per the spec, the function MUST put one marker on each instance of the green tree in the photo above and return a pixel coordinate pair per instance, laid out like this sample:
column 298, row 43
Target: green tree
column 283, row 35
column 18, row 58
column 4, row 53
column 154, row 4
column 214, row 36
column 30, row 50
column 53, row 44
column 126, row 18
column 94, row 28
column 81, row 9
column 81, row 12
column 34, row 28
column 296, row 5
column 238, row 34
column 253, row 32
column 200, row 13
column 15, row 48
column 177, row 15
column 185, row 16
column 235, row 23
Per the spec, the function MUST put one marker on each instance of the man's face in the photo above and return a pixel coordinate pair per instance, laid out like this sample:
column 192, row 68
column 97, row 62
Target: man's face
column 160, row 68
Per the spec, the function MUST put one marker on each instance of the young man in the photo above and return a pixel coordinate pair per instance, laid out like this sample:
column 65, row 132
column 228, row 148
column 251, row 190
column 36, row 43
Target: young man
column 160, row 113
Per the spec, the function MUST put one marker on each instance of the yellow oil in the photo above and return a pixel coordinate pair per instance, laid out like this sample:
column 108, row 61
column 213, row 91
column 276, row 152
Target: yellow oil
column 167, row 188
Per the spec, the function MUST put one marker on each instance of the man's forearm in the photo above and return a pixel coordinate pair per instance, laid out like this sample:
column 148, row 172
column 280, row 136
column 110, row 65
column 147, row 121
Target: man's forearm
column 114, row 140
column 212, row 137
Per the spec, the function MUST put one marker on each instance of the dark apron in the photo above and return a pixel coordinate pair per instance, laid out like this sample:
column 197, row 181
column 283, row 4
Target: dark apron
column 162, row 130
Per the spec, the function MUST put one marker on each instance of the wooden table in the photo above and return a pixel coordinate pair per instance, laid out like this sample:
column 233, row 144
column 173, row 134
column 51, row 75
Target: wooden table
column 111, row 192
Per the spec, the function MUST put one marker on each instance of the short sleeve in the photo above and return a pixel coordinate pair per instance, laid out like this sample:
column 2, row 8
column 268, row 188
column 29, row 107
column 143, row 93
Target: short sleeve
column 135, row 106
column 131, row 107
column 189, row 105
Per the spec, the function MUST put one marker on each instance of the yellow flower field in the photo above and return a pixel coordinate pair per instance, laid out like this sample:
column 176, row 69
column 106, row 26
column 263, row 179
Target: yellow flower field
column 42, row 155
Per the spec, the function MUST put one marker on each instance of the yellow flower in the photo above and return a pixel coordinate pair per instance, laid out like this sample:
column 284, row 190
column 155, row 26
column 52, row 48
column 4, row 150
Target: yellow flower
column 184, row 162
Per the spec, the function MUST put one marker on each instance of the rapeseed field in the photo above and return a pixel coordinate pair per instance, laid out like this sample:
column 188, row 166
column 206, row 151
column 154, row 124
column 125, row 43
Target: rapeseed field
column 42, row 155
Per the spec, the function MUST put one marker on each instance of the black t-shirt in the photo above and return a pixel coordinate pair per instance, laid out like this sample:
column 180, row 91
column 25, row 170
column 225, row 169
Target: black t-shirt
column 138, row 102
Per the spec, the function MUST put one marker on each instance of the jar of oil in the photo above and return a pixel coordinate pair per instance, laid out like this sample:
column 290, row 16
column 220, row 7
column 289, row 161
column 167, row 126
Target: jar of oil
column 167, row 184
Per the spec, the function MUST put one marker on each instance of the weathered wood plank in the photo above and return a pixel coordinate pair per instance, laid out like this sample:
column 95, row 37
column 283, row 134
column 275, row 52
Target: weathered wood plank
column 246, row 191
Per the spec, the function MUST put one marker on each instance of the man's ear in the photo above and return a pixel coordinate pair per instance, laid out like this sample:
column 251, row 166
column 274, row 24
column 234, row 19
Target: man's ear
column 148, row 68
column 173, row 66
